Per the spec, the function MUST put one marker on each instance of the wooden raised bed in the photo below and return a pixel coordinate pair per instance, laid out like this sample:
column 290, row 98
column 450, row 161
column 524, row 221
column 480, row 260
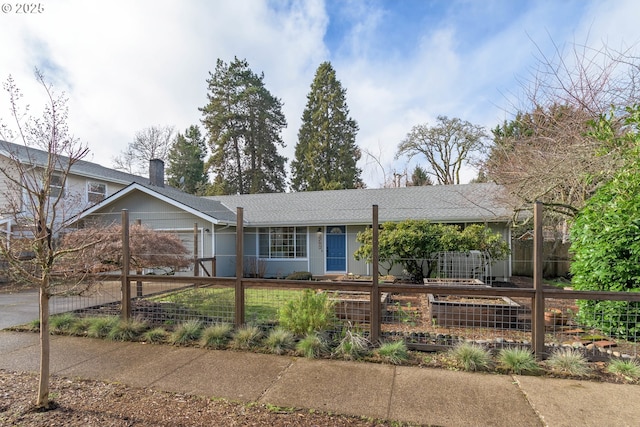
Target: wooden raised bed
column 463, row 312
column 355, row 306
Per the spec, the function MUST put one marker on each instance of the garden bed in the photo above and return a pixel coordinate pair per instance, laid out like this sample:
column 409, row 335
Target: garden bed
column 465, row 311
column 354, row 306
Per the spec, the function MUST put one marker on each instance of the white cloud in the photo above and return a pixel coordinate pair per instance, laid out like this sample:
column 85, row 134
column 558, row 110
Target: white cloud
column 127, row 65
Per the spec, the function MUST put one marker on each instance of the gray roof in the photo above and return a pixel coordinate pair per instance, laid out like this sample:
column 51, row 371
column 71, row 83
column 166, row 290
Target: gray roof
column 212, row 208
column 37, row 157
column 438, row 203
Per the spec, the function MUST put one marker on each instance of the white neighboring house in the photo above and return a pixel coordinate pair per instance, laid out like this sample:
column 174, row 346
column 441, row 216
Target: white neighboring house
column 87, row 183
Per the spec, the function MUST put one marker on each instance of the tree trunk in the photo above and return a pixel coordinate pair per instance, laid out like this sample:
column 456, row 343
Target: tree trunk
column 43, row 385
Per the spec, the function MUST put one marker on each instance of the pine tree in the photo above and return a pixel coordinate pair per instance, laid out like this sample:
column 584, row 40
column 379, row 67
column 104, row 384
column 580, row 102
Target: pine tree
column 326, row 153
column 244, row 121
column 185, row 169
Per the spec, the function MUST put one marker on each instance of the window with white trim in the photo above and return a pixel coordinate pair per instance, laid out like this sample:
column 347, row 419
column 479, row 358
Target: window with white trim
column 282, row 242
column 96, row 192
column 56, row 186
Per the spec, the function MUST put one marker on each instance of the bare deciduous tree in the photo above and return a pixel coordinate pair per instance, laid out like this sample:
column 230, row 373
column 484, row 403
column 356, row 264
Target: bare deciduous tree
column 447, row 146
column 546, row 152
column 150, row 143
column 36, row 204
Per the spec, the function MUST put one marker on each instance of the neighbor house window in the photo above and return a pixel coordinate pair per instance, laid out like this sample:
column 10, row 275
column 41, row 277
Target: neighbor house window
column 282, row 242
column 56, row 188
column 96, row 192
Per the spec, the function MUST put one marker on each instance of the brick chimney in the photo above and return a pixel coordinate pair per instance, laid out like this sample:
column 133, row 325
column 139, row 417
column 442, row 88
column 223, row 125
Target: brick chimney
column 156, row 172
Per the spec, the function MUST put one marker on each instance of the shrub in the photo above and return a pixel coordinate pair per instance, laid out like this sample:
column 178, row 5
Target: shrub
column 127, row 330
column 606, row 252
column 352, row 346
column 155, row 335
column 394, row 352
column 629, row 368
column 279, row 341
column 569, row 361
column 310, row 312
column 216, row 336
column 313, row 345
column 300, row 275
column 518, row 360
column 246, row 338
column 99, row 327
column 187, row 332
column 471, row 357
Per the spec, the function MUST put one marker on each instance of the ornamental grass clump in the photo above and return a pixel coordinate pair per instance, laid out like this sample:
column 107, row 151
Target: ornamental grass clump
column 187, row 332
column 569, row 361
column 216, row 336
column 310, row 312
column 312, row 346
column 62, row 323
column 627, row 368
column 280, row 341
column 352, row 346
column 246, row 337
column 155, row 335
column 471, row 357
column 99, row 327
column 518, row 360
column 394, row 352
column 127, row 330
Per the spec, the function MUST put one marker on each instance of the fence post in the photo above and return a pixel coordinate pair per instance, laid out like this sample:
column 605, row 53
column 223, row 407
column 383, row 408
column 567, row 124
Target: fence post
column 375, row 314
column 239, row 291
column 138, row 269
column 537, row 321
column 126, row 286
column 196, row 264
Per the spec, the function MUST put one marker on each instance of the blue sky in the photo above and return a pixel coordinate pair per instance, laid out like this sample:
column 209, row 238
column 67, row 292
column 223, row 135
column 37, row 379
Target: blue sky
column 128, row 65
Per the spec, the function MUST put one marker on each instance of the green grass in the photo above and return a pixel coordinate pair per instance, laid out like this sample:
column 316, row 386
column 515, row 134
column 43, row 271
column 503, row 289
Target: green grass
column 394, row 352
column 471, row 357
column 569, row 361
column 261, row 305
column 216, row 336
column 628, row 368
column 518, row 361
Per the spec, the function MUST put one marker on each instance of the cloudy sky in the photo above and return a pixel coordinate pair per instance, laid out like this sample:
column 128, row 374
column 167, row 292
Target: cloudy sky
column 129, row 64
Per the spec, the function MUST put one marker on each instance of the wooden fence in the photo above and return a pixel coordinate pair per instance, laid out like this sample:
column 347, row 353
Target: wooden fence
column 537, row 295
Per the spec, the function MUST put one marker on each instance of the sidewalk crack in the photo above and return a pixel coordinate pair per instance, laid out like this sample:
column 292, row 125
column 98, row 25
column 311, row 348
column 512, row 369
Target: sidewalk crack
column 276, row 381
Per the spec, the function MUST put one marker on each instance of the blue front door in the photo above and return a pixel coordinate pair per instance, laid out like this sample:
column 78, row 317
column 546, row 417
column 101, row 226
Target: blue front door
column 336, row 249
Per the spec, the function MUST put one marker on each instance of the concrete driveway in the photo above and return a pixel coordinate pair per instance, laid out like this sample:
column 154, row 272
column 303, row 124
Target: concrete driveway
column 17, row 308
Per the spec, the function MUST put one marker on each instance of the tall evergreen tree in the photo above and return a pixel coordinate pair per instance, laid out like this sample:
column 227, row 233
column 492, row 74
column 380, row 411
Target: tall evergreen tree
column 326, row 153
column 244, row 121
column 185, row 169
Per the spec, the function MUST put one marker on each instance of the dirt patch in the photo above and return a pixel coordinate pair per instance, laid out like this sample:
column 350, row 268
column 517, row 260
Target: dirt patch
column 95, row 403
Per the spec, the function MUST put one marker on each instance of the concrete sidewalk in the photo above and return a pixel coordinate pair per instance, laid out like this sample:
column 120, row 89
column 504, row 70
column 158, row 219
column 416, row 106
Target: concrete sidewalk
column 410, row 394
